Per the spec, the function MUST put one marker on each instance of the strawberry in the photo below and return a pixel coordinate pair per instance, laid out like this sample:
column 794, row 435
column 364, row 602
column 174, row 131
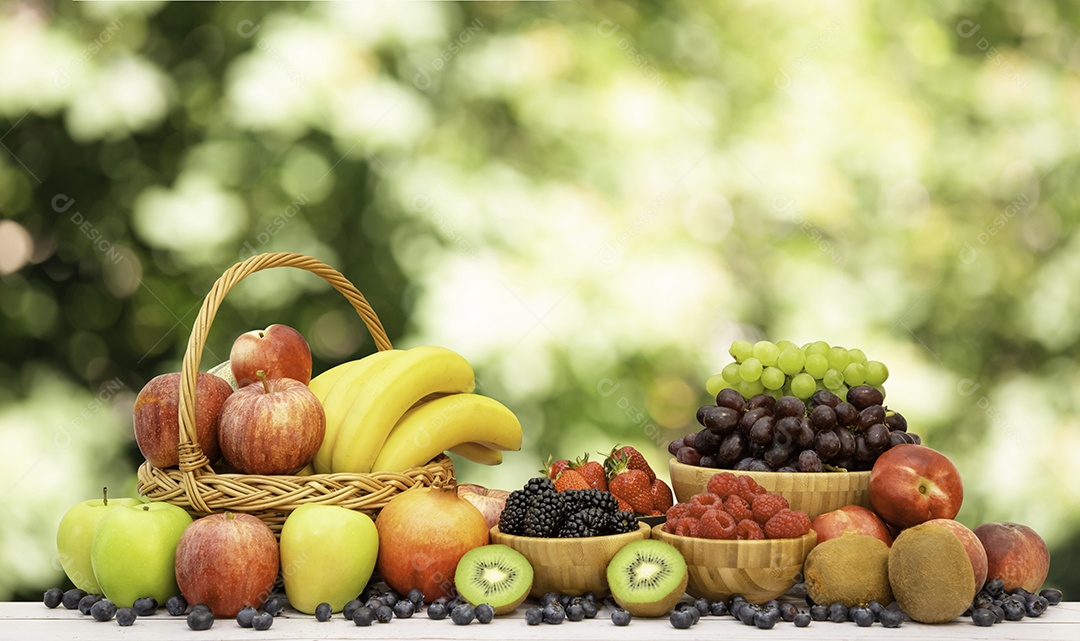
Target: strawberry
column 570, row 480
column 662, row 498
column 593, row 472
column 632, row 486
column 552, row 470
column 635, row 461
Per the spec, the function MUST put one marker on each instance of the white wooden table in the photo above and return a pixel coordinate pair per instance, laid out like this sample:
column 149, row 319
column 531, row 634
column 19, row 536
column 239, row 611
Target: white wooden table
column 35, row 622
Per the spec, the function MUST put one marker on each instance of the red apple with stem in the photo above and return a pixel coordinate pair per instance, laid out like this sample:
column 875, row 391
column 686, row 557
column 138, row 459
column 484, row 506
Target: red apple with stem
column 278, row 350
column 157, row 423
column 911, row 484
column 974, row 548
column 853, row 519
column 489, row 501
column 1015, row 553
column 274, row 426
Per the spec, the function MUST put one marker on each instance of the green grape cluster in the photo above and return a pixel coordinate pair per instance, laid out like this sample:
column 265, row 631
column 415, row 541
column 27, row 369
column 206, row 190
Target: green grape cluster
column 784, row 368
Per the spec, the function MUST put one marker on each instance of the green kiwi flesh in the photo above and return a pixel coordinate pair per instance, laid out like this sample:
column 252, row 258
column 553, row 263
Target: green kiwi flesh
column 647, row 578
column 494, row 574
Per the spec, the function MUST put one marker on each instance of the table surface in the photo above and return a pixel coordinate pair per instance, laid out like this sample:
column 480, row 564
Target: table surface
column 34, row 622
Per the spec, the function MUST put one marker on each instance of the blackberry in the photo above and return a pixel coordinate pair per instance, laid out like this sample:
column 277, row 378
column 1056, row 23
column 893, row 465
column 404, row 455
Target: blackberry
column 577, row 500
column 623, row 522
column 591, row 521
column 512, row 518
column 541, row 518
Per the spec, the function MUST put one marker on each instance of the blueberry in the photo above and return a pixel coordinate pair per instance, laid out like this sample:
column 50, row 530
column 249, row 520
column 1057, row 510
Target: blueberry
column 718, row 608
column 417, row 597
column 565, row 599
column 245, row 616
column 262, row 621
column 145, row 606
column 384, row 614
column 464, row 614
column 788, row 612
column 549, row 597
column 323, row 611
column 1036, row 605
column 863, row 617
column 273, row 606
column 999, row 613
column 838, row 613
column 983, row 617
column 72, row 597
column 875, row 607
column 1015, row 609
column 370, row 591
column 176, row 605
column 103, row 610
column 801, row 620
column 682, row 619
column 891, row 618
column 819, row 612
column 574, row 612
column 55, row 596
column 554, row 613
column 1052, row 595
column 126, row 616
column 590, row 608
column 1020, row 592
column 374, row 603
column 88, row 602
column 747, row 613
column 436, row 611
column 404, row 609
column 766, row 618
column 390, row 598
column 351, row 607
column 994, row 587
column 363, row 616
column 691, row 608
column 535, row 616
column 200, row 619
column 485, row 613
column 702, row 606
column 620, row 617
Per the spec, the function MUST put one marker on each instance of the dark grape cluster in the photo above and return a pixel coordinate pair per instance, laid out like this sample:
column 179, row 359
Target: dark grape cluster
column 537, row 510
column 786, row 434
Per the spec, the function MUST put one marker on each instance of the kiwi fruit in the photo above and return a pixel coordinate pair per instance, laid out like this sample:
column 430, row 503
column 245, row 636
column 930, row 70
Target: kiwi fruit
column 930, row 572
column 494, row 574
column 852, row 569
column 647, row 577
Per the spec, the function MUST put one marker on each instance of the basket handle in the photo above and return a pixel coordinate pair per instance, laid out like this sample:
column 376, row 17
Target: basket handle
column 192, row 459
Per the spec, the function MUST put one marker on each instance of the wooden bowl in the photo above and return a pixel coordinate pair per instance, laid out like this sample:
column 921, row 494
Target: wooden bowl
column 758, row 570
column 812, row 492
column 570, row 566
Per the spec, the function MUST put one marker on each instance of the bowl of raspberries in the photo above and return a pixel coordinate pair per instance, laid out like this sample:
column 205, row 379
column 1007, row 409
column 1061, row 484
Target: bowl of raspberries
column 568, row 536
column 738, row 538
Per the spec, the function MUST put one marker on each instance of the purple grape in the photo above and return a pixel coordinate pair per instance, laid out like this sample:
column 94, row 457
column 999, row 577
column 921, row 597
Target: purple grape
column 688, row 456
column 731, row 399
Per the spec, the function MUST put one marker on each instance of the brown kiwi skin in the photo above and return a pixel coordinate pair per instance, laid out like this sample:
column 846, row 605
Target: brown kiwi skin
column 865, row 559
column 508, row 607
column 661, row 606
column 930, row 573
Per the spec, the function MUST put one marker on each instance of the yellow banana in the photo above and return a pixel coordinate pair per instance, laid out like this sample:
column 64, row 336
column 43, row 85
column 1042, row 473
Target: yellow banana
column 337, row 388
column 478, row 453
column 425, row 431
column 387, row 395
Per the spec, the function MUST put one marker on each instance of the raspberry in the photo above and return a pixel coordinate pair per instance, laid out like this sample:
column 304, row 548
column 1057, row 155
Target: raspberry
column 749, row 530
column 723, row 484
column 717, row 524
column 787, row 524
column 687, row 526
column 737, row 506
column 766, row 506
column 748, row 487
column 707, row 499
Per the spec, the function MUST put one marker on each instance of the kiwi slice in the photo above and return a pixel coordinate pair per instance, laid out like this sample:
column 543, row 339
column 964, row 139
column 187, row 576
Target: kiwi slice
column 494, row 574
column 647, row 578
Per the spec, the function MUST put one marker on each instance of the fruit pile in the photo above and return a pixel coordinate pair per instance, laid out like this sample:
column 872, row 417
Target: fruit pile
column 736, row 507
column 625, row 473
column 541, row 510
column 786, row 434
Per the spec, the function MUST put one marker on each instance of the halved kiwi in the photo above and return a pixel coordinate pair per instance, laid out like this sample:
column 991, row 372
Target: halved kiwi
column 647, row 578
column 494, row 574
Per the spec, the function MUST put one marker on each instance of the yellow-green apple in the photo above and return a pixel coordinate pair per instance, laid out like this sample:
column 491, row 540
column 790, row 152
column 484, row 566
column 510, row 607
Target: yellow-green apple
column 976, row 551
column 75, row 534
column 278, row 350
column 489, row 501
column 423, row 533
column 133, row 551
column 224, row 370
column 854, row 519
column 911, row 484
column 1015, row 553
column 157, row 424
column 328, row 553
column 273, row 426
column 227, row 561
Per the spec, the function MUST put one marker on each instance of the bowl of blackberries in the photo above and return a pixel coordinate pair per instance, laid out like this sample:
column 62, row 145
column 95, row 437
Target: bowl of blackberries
column 817, row 453
column 569, row 537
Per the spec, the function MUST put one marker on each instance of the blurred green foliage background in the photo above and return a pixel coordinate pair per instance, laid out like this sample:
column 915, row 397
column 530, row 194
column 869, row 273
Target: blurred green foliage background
column 589, row 200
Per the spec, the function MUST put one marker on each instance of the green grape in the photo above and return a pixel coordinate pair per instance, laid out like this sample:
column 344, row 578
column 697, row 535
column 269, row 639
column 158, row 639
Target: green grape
column 857, row 356
column 817, row 347
column 741, row 350
column 816, row 365
column 838, row 358
column 731, row 373
column 785, row 344
column 880, row 389
column 715, row 383
column 766, row 352
column 855, row 374
column 833, row 379
column 803, row 386
column 750, row 370
column 775, row 393
column 773, row 378
column 791, row 360
column 876, row 373
column 750, row 388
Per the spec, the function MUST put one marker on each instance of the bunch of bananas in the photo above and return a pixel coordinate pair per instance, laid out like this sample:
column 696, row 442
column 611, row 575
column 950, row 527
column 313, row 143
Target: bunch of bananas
column 397, row 409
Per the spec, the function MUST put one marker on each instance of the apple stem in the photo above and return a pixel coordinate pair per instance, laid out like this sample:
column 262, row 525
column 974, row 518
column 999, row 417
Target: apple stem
column 262, row 377
column 229, row 516
column 105, row 495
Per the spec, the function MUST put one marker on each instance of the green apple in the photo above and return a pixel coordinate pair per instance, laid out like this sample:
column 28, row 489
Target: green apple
column 76, row 531
column 134, row 551
column 327, row 554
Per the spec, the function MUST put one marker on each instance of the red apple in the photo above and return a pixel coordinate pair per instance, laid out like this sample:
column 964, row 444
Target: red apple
column 854, row 519
column 157, row 422
column 274, row 426
column 423, row 533
column 490, row 502
column 278, row 350
column 1016, row 554
column 911, row 484
column 974, row 548
column 227, row 561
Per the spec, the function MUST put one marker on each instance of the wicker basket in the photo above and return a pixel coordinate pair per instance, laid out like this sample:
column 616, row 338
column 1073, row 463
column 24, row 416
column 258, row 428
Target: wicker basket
column 197, row 488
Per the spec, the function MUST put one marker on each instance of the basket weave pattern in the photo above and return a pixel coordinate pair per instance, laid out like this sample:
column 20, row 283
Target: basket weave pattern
column 196, row 487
